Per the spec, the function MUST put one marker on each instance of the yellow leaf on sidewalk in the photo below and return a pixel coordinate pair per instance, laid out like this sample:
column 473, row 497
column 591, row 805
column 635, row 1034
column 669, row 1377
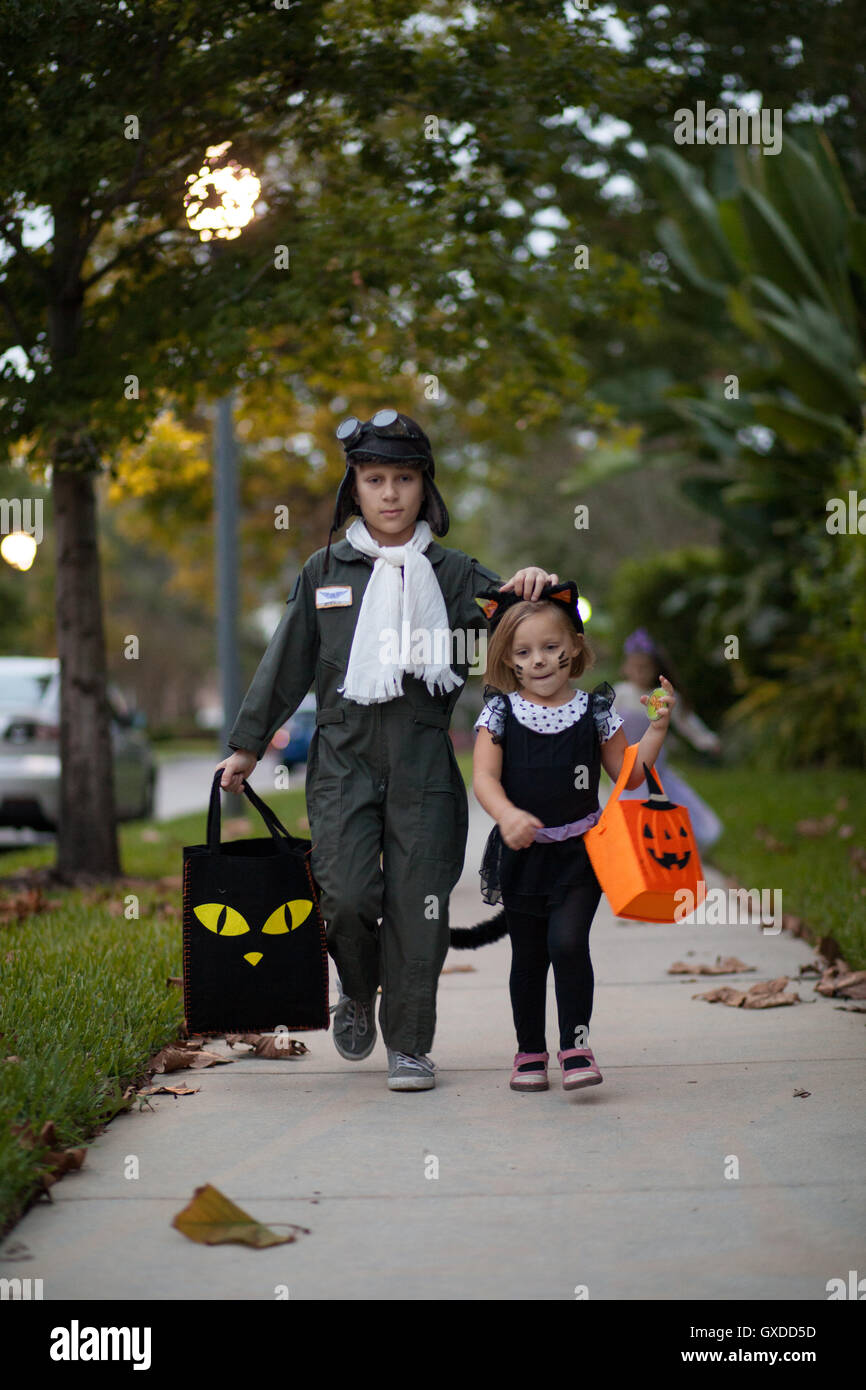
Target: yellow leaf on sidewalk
column 211, row 1218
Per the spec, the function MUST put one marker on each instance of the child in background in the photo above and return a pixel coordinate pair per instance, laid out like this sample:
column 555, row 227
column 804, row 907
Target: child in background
column 643, row 662
column 536, row 767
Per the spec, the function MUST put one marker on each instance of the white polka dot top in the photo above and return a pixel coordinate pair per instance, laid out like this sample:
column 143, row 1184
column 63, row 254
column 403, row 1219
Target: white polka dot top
column 547, row 719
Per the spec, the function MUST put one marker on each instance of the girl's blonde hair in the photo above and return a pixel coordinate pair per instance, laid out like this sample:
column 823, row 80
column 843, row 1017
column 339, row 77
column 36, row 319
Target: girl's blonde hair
column 499, row 673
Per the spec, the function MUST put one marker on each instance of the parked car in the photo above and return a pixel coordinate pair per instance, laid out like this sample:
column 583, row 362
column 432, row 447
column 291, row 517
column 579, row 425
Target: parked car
column 300, row 729
column 30, row 747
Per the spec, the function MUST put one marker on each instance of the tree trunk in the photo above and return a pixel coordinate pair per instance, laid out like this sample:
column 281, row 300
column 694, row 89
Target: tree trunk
column 86, row 832
column 87, row 835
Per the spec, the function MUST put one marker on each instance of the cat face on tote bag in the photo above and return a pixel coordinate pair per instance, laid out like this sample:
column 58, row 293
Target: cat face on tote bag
column 254, row 950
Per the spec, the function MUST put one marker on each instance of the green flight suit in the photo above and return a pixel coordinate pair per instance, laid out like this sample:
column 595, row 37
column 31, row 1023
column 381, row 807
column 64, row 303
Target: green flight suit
column 381, row 779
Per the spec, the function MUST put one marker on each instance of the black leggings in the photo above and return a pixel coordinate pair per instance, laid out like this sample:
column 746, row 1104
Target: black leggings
column 562, row 939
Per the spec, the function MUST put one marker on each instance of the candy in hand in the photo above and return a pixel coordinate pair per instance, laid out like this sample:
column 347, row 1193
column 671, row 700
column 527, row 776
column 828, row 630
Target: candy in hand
column 653, row 708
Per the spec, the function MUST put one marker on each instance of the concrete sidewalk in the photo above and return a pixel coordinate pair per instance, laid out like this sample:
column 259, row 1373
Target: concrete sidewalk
column 621, row 1187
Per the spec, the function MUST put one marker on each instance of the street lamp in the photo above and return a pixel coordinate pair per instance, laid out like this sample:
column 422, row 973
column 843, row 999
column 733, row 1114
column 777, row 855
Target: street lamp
column 220, row 201
column 18, row 549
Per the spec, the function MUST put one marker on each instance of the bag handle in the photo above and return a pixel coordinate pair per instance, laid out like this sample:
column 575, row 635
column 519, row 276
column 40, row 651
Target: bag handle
column 628, row 762
column 285, row 842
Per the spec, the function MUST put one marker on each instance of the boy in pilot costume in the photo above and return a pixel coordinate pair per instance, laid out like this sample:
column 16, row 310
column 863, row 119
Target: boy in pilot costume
column 382, row 779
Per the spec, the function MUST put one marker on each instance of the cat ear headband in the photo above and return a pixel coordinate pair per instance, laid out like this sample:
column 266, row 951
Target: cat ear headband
column 494, row 604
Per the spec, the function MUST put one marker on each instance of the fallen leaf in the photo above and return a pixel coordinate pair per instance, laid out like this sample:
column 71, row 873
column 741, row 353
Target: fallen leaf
column 63, row 1161
column 802, row 1093
column 168, row 1090
column 813, row 829
column 176, row 1058
column 852, row 985
column 57, row 1161
column 724, row 965
column 766, row 994
column 769, row 986
column 839, row 980
column 850, row 1008
column 723, row 994
column 457, row 969
column 272, row 1046
column 213, row 1219
column 13, row 1058
column 18, row 906
column 770, row 1001
column 169, row 1059
column 198, row 1060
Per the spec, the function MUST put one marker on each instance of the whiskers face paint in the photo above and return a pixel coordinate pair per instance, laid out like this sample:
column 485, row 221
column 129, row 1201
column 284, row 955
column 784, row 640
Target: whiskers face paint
column 563, row 660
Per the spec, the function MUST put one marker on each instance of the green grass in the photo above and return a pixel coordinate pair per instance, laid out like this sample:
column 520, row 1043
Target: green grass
column 818, row 879
column 83, row 995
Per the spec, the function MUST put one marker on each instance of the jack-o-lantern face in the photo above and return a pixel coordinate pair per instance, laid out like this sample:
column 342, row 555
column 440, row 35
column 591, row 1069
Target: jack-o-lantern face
column 663, row 828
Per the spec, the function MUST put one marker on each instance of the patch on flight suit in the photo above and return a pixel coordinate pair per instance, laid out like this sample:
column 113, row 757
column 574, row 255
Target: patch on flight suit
column 334, row 596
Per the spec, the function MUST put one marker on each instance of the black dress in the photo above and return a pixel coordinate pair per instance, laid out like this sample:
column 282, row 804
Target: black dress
column 538, row 775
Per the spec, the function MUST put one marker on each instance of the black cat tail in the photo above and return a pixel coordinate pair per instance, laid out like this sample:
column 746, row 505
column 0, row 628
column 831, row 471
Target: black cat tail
column 470, row 938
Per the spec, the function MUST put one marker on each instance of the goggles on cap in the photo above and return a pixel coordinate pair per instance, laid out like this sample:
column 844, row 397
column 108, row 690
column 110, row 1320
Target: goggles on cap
column 386, row 423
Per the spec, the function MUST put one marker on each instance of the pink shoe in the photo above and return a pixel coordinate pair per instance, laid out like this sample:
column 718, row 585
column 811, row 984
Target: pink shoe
column 530, row 1080
column 573, row 1078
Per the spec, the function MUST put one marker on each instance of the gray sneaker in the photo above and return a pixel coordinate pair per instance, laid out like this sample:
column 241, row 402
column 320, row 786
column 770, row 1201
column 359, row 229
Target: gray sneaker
column 354, row 1027
column 408, row 1073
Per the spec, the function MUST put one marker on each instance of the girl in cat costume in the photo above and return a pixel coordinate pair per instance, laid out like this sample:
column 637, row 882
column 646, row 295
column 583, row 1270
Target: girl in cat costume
column 536, row 768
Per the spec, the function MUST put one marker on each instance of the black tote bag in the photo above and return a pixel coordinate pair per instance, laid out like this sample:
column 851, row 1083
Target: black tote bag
column 254, row 952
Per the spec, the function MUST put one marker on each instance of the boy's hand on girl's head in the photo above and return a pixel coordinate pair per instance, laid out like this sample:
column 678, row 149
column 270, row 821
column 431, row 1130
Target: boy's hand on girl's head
column 664, row 705
column 518, row 828
column 528, row 583
column 236, row 769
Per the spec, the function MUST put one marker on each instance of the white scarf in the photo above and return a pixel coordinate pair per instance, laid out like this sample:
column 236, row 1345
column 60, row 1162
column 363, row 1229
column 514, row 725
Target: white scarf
column 399, row 612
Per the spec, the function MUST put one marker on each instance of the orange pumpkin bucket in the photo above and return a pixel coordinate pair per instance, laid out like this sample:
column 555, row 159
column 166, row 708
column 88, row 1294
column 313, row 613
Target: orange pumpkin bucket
column 644, row 852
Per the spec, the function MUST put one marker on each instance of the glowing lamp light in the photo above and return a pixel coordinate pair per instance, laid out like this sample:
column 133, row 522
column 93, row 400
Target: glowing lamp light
column 221, row 197
column 584, row 608
column 18, row 549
